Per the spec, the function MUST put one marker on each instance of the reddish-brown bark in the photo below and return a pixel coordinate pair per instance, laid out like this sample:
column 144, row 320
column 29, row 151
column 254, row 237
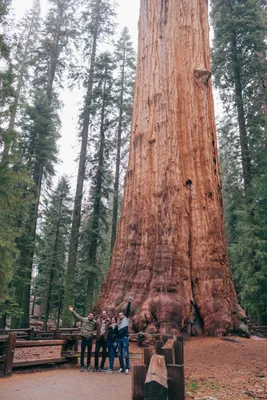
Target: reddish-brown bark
column 170, row 252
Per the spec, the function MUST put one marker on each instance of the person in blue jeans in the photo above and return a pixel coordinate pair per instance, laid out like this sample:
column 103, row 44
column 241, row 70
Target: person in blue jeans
column 111, row 341
column 123, row 339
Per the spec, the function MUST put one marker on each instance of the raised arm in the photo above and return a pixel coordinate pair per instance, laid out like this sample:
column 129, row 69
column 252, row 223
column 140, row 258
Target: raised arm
column 76, row 314
column 127, row 313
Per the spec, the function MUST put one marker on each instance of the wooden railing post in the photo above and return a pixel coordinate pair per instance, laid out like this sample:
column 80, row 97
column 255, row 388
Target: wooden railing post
column 158, row 346
column 156, row 385
column 168, row 351
column 138, row 382
column 179, row 352
column 11, row 344
column 31, row 333
column 147, row 354
column 176, row 382
column 165, row 338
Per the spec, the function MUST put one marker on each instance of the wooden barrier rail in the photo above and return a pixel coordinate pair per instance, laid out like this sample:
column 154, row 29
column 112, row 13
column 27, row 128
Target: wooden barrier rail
column 11, row 342
column 31, row 334
column 161, row 376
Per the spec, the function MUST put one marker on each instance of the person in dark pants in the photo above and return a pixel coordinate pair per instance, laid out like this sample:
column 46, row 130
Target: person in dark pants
column 111, row 342
column 87, row 330
column 101, row 341
column 123, row 339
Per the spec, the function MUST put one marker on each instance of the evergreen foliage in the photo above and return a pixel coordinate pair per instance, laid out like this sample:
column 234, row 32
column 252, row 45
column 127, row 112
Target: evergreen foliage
column 38, row 151
column 239, row 63
column 52, row 251
column 35, row 225
column 98, row 24
column 101, row 144
column 125, row 58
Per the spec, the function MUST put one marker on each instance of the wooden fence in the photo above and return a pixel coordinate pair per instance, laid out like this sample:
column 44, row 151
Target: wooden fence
column 26, row 338
column 161, row 375
column 52, row 334
column 8, row 344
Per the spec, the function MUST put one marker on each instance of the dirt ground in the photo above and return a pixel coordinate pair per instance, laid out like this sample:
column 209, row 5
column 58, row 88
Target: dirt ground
column 223, row 369
column 215, row 369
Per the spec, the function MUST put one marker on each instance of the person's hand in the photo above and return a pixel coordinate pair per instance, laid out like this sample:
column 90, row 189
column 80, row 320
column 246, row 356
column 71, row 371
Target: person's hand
column 130, row 298
column 70, row 308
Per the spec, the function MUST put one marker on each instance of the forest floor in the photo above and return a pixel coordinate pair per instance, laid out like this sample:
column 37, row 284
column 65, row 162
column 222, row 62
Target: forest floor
column 215, row 369
column 227, row 368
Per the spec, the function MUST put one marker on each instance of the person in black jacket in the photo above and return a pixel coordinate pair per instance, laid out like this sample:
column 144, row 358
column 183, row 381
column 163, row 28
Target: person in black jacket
column 123, row 339
column 111, row 341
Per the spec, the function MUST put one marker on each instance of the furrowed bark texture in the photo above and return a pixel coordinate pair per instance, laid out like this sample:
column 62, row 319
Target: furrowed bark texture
column 170, row 252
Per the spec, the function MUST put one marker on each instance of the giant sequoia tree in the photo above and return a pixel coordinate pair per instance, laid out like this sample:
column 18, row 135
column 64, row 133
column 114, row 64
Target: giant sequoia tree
column 170, row 252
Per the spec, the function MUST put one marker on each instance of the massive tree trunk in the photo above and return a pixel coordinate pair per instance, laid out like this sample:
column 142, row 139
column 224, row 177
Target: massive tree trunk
column 170, row 252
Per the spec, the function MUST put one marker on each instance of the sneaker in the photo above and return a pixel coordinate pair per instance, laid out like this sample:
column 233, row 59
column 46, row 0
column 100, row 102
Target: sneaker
column 82, row 369
column 100, row 369
column 126, row 371
column 121, row 370
column 88, row 369
column 109, row 370
column 95, row 370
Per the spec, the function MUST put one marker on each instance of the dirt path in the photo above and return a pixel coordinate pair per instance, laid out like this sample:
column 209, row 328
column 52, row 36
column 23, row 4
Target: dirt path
column 66, row 384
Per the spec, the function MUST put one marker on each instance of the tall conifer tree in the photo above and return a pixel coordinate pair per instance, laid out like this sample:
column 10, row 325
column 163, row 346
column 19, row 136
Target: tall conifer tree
column 125, row 58
column 98, row 24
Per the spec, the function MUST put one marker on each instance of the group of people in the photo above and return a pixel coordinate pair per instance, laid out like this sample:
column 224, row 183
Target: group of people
column 110, row 334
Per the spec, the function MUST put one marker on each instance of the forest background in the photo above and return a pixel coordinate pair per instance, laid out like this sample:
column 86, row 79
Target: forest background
column 67, row 68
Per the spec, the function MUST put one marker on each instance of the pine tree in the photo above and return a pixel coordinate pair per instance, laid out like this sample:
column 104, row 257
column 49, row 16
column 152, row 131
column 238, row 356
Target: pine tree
column 240, row 68
column 50, row 64
column 97, row 25
column 13, row 200
column 55, row 52
column 101, row 141
column 53, row 251
column 237, row 68
column 6, row 76
column 125, row 58
column 26, row 39
column 249, row 253
column 39, row 153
